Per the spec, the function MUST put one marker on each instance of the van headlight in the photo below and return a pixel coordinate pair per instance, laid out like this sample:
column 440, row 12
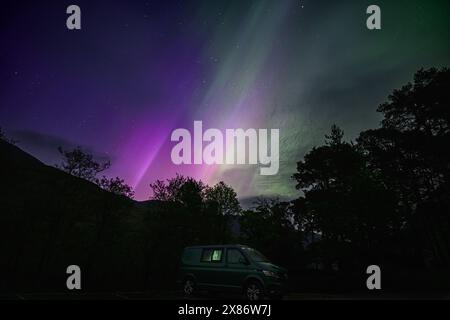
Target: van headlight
column 268, row 273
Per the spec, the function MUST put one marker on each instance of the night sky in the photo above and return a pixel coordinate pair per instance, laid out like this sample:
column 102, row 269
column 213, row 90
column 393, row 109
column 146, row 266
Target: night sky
column 140, row 69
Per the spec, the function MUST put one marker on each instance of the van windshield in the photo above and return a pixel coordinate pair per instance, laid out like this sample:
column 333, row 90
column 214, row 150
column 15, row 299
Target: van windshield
column 255, row 255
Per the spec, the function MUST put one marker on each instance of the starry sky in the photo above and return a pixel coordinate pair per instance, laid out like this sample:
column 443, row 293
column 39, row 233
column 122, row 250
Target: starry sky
column 137, row 70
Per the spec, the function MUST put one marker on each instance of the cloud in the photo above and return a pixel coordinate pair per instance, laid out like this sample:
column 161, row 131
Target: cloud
column 45, row 147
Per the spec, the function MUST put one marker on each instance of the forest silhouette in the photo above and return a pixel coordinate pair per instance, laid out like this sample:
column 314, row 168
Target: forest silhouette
column 382, row 199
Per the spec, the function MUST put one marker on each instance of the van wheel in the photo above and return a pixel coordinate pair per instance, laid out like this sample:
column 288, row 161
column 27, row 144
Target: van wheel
column 188, row 287
column 253, row 291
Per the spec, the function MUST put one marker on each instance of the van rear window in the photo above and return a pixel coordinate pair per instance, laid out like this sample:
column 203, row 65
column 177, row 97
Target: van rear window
column 212, row 255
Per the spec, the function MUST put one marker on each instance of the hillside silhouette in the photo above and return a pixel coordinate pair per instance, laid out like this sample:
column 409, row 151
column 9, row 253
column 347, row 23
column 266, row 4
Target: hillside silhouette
column 49, row 220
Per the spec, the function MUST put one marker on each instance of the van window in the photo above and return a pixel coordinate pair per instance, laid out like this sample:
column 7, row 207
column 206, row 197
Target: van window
column 235, row 256
column 212, row 255
column 255, row 255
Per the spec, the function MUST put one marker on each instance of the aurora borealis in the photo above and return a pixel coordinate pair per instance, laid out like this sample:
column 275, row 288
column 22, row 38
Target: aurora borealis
column 137, row 70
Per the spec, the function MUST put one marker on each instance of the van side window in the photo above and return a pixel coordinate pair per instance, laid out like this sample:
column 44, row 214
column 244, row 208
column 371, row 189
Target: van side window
column 235, row 256
column 211, row 255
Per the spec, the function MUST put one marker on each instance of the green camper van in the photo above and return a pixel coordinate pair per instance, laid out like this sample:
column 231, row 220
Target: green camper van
column 235, row 268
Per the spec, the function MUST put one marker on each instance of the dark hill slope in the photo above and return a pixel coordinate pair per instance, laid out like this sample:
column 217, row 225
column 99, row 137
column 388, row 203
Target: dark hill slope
column 50, row 219
column 25, row 178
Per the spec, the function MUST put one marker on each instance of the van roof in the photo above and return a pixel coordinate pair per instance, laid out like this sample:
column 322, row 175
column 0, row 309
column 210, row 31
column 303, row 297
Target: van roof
column 218, row 245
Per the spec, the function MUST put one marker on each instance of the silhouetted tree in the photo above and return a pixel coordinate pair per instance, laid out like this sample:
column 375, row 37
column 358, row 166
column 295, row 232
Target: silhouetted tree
column 270, row 228
column 191, row 192
column 410, row 153
column 172, row 189
column 225, row 197
column 335, row 137
column 116, row 186
column 81, row 164
column 4, row 137
column 208, row 221
column 343, row 202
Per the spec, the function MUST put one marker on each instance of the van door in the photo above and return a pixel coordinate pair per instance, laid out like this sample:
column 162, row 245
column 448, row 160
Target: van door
column 237, row 268
column 212, row 264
